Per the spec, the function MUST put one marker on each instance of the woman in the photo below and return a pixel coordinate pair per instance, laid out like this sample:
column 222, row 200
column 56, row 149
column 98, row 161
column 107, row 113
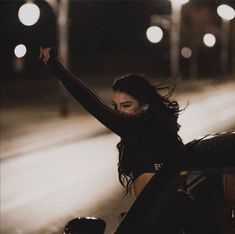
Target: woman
column 145, row 121
column 151, row 153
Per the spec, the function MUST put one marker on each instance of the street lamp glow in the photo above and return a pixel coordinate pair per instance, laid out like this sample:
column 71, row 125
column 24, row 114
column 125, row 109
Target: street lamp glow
column 154, row 34
column 179, row 2
column 209, row 40
column 20, row 51
column 29, row 14
column 226, row 12
column 186, row 52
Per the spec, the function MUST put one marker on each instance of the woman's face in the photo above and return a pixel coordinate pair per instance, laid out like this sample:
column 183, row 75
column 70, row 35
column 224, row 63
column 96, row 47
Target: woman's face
column 126, row 104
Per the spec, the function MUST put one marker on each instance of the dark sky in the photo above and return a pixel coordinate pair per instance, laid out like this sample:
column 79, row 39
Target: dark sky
column 105, row 36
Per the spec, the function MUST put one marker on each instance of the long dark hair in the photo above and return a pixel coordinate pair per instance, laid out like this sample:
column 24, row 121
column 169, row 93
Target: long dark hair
column 161, row 109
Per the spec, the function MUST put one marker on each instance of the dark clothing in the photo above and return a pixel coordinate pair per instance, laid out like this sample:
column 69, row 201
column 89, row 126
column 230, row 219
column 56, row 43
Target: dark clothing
column 146, row 143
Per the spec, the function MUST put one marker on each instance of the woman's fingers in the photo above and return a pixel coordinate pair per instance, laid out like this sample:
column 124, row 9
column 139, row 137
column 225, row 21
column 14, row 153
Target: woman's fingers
column 46, row 58
column 44, row 54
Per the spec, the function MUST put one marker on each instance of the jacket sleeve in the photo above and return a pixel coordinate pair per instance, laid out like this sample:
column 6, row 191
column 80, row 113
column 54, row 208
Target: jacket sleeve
column 120, row 124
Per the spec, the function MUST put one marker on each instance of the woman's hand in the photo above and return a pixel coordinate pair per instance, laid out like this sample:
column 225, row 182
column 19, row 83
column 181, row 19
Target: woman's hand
column 44, row 54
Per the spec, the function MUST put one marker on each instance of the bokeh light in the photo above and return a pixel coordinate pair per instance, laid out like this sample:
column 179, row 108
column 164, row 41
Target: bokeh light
column 209, row 40
column 186, row 52
column 20, row 51
column 154, row 34
column 226, row 12
column 29, row 14
column 179, row 2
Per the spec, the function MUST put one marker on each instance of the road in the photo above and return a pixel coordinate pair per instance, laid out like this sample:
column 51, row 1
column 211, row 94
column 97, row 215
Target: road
column 45, row 185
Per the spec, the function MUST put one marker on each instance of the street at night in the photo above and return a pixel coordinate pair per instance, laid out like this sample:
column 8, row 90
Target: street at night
column 58, row 162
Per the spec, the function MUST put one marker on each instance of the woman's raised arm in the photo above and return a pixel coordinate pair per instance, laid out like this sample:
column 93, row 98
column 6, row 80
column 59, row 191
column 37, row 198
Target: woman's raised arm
column 118, row 123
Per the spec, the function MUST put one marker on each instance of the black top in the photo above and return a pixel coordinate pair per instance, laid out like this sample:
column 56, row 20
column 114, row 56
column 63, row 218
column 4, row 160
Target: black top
column 144, row 140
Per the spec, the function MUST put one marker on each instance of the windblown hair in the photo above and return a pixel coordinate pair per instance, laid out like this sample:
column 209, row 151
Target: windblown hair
column 161, row 109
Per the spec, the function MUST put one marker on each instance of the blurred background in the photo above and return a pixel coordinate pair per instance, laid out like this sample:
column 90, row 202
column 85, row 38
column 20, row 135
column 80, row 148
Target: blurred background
column 109, row 37
column 58, row 162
